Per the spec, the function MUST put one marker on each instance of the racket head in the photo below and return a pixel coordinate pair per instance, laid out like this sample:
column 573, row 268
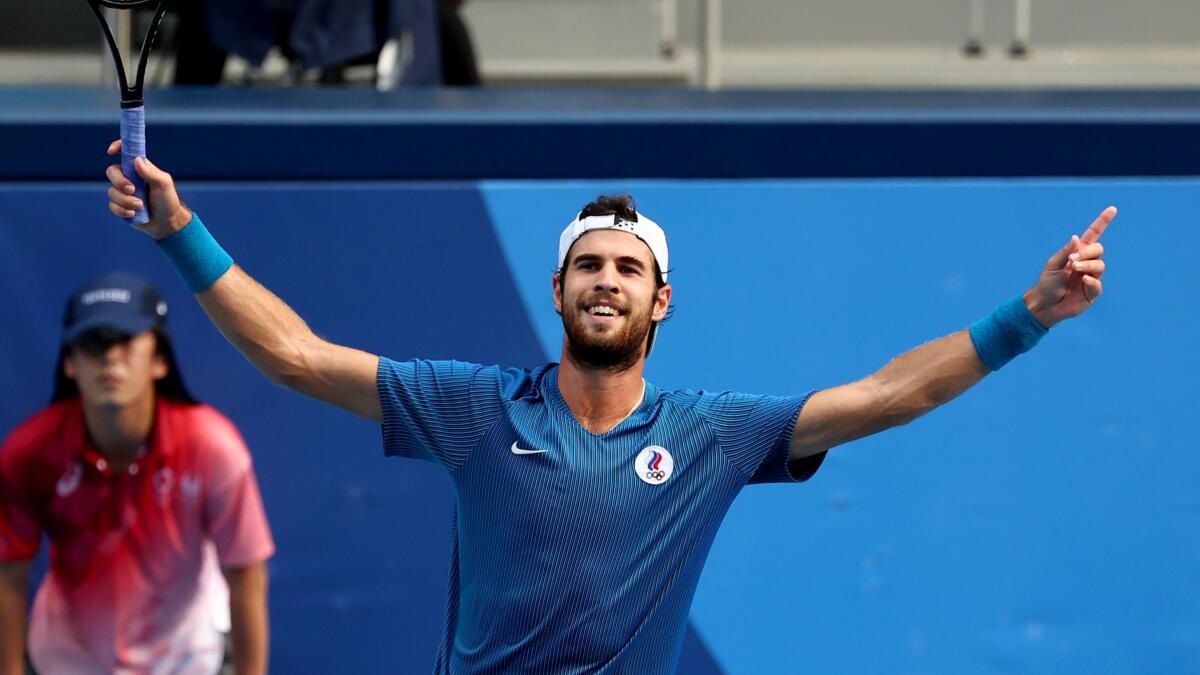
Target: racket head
column 131, row 93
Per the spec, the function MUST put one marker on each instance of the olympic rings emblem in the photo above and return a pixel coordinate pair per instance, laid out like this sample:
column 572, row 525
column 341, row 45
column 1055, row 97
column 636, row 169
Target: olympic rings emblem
column 654, row 465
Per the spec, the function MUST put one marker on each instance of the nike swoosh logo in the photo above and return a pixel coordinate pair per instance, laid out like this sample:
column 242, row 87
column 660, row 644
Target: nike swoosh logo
column 522, row 451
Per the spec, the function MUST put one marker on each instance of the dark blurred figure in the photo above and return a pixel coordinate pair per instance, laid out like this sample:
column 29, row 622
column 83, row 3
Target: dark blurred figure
column 198, row 60
column 328, row 35
column 459, row 65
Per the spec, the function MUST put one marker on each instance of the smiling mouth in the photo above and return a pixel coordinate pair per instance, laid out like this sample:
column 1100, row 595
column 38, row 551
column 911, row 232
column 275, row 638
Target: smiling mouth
column 602, row 312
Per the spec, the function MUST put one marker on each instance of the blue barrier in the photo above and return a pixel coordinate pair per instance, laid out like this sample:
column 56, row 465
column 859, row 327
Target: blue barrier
column 56, row 134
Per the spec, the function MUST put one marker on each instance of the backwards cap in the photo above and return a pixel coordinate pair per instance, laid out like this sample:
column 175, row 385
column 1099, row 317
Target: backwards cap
column 641, row 227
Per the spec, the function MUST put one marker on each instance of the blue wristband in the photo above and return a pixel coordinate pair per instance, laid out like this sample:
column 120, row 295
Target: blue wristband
column 1007, row 333
column 197, row 257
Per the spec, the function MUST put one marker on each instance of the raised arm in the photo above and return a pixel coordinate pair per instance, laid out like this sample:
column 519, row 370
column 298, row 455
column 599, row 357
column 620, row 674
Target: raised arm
column 934, row 373
column 262, row 327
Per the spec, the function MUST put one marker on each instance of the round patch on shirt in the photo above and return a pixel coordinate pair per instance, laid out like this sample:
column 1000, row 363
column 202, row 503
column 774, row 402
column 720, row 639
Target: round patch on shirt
column 69, row 480
column 654, row 465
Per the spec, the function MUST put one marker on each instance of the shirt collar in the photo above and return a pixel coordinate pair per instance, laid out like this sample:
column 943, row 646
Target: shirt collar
column 159, row 444
column 641, row 413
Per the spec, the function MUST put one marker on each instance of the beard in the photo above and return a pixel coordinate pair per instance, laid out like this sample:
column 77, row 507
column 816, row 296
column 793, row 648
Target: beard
column 615, row 351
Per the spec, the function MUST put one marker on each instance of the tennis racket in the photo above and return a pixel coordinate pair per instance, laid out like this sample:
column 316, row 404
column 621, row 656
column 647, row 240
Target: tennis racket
column 133, row 111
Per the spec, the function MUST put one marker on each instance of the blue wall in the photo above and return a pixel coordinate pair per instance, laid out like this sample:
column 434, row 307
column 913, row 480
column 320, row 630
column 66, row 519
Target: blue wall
column 1044, row 522
column 347, row 133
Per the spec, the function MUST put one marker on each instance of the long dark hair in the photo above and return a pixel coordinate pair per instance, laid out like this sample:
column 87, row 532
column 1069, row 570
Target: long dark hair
column 170, row 387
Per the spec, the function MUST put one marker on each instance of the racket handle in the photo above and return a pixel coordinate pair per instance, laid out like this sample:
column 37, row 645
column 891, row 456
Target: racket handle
column 133, row 144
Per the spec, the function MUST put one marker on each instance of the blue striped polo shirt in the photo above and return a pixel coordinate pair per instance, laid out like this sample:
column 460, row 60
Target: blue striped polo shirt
column 577, row 552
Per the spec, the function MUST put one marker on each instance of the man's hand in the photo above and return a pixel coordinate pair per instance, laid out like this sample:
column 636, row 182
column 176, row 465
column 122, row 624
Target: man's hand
column 1070, row 283
column 168, row 215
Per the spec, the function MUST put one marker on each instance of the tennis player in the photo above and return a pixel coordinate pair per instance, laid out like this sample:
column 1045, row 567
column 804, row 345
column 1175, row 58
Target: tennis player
column 146, row 496
column 588, row 498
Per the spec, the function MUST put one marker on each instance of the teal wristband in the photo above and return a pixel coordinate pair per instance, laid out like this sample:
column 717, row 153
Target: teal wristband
column 1007, row 333
column 197, row 257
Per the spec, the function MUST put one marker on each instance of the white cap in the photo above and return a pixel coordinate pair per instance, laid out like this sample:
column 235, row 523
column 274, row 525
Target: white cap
column 641, row 227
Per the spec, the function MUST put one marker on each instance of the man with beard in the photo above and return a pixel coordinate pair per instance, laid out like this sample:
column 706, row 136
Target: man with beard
column 588, row 498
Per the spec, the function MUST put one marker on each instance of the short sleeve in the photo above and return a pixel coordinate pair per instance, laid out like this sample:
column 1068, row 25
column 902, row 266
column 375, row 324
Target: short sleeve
column 20, row 532
column 233, row 507
column 755, row 433
column 437, row 410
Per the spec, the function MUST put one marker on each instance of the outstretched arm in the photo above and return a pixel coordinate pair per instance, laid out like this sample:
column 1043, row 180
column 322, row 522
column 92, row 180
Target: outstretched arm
column 262, row 327
column 934, row 373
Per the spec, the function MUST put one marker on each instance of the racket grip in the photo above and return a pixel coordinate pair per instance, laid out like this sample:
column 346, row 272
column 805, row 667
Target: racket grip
column 133, row 144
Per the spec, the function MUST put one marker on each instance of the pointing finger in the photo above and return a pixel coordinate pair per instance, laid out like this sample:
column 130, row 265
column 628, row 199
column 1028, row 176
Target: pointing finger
column 1099, row 225
column 114, row 147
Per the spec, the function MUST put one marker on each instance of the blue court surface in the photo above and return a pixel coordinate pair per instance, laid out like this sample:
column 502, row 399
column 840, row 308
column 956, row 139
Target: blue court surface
column 1045, row 522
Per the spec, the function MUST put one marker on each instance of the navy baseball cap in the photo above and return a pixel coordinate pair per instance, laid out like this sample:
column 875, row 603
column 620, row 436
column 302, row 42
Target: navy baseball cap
column 118, row 301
